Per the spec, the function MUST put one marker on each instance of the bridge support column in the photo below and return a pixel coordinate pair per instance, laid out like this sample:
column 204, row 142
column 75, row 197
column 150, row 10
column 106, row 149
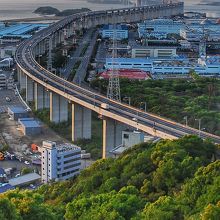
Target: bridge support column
column 46, row 99
column 29, row 89
column 21, row 79
column 81, row 122
column 38, row 96
column 58, row 108
column 112, row 136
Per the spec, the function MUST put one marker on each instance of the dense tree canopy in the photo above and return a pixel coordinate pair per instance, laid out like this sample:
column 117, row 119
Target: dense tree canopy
column 166, row 180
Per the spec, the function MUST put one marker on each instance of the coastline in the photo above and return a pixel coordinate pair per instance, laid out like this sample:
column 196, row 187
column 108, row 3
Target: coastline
column 210, row 4
column 35, row 19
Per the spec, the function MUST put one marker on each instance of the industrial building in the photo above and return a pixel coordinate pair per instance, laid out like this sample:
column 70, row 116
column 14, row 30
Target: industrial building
column 4, row 187
column 59, row 162
column 6, row 63
column 195, row 30
column 29, row 126
column 159, row 28
column 3, row 175
column 208, row 67
column 129, row 139
column 119, row 32
column 197, row 35
column 25, row 180
column 3, row 81
column 131, row 74
column 16, row 32
column 153, row 52
column 7, row 51
column 16, row 112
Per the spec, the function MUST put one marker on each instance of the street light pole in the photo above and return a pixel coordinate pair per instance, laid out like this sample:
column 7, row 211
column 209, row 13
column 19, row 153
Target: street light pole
column 128, row 99
column 186, row 119
column 145, row 106
column 199, row 120
column 39, row 58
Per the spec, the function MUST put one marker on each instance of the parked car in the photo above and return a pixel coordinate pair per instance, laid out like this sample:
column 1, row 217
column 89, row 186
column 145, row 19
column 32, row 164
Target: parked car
column 7, row 99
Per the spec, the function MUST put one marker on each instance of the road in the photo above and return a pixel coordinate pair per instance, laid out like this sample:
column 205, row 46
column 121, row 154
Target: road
column 92, row 100
column 75, row 55
column 15, row 101
column 82, row 70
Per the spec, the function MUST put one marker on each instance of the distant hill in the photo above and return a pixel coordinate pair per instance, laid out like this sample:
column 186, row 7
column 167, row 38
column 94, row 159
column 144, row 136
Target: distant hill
column 48, row 10
column 72, row 11
column 106, row 1
column 211, row 3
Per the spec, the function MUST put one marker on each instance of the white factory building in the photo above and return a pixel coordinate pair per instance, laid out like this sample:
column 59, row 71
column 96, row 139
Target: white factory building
column 209, row 67
column 159, row 27
column 129, row 139
column 120, row 32
column 194, row 30
column 153, row 52
column 59, row 162
column 3, row 80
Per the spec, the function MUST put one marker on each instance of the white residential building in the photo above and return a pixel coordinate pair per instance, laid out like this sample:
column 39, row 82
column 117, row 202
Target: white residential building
column 59, row 162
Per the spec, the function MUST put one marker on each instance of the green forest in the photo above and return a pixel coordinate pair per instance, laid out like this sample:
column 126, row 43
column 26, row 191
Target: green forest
column 168, row 180
column 175, row 99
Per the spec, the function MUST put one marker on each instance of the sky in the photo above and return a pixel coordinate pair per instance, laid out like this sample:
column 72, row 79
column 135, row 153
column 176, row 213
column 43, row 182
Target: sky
column 10, row 9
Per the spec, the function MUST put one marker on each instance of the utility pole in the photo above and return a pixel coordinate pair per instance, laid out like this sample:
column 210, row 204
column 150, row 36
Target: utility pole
column 128, row 99
column 199, row 120
column 145, row 106
column 186, row 119
column 114, row 83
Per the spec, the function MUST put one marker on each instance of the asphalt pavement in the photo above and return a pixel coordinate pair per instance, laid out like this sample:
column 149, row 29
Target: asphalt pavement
column 4, row 104
column 75, row 55
column 82, row 70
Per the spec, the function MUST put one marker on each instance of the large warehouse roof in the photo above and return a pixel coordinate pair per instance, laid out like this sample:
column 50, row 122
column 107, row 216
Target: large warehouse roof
column 25, row 179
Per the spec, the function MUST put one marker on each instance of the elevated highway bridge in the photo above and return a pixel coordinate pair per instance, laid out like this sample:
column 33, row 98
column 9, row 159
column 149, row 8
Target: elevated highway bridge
column 50, row 91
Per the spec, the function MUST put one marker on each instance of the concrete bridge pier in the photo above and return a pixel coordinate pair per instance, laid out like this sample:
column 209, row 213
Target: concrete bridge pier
column 21, row 79
column 54, row 41
column 42, row 47
column 46, row 99
column 61, row 36
column 58, row 108
column 112, row 136
column 81, row 122
column 29, row 89
column 39, row 93
column 58, row 33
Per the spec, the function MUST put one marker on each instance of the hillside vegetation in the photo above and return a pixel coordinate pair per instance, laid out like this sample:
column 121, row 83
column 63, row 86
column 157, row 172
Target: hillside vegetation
column 168, row 180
